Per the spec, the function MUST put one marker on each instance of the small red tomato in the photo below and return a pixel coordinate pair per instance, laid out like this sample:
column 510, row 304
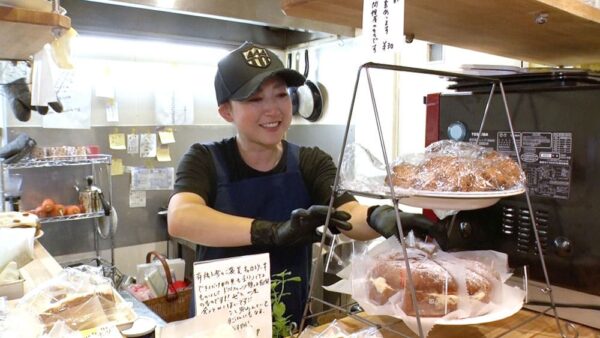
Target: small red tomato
column 48, row 204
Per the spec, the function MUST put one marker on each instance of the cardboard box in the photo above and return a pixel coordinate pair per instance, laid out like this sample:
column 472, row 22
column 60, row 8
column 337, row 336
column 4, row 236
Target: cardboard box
column 13, row 290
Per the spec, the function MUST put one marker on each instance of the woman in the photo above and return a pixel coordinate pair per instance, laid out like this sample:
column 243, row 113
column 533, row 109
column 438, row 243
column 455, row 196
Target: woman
column 256, row 192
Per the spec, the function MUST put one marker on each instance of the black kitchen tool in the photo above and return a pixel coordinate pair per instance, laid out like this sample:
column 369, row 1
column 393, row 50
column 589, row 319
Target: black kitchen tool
column 307, row 100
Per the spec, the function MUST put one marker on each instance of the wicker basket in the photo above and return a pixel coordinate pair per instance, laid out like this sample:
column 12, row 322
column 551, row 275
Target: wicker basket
column 174, row 306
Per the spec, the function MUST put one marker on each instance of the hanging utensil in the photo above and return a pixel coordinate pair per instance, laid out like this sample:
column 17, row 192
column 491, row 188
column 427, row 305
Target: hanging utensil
column 307, row 100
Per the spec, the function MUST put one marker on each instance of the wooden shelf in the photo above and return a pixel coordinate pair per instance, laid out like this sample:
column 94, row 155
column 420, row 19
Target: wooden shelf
column 24, row 32
column 570, row 35
column 340, row 12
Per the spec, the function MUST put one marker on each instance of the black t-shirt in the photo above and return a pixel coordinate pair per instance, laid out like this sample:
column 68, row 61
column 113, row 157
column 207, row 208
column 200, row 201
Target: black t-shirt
column 196, row 172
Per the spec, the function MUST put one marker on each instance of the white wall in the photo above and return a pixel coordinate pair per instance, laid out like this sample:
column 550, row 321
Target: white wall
column 136, row 68
column 337, row 66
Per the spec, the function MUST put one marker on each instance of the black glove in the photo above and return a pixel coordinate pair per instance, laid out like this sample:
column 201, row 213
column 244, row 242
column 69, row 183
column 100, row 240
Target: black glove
column 19, row 97
column 43, row 110
column 300, row 229
column 382, row 219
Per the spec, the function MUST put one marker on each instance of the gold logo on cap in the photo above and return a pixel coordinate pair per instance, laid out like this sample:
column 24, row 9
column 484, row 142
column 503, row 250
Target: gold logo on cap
column 257, row 57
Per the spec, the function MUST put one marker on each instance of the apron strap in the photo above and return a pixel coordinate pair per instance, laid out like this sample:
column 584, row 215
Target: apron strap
column 293, row 159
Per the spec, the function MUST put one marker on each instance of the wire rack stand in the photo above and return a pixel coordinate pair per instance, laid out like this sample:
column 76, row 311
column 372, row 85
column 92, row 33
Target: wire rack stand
column 92, row 162
column 495, row 87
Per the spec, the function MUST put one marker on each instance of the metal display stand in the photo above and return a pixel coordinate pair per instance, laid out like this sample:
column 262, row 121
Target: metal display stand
column 495, row 85
column 92, row 163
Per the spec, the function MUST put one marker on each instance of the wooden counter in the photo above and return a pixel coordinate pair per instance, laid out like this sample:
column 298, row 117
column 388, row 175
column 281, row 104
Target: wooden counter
column 542, row 326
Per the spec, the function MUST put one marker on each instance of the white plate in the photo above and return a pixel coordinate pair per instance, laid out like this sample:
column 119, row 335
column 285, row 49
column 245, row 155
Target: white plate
column 487, row 318
column 447, row 200
column 141, row 326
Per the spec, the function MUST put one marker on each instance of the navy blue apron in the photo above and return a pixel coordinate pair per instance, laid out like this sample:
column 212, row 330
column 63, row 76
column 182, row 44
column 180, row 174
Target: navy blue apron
column 272, row 198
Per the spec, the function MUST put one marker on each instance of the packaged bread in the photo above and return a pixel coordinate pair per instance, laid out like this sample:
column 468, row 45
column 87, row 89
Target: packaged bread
column 450, row 288
column 436, row 282
column 459, row 167
column 81, row 299
column 465, row 284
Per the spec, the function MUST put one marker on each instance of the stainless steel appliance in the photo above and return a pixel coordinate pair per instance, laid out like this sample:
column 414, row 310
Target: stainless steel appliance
column 556, row 118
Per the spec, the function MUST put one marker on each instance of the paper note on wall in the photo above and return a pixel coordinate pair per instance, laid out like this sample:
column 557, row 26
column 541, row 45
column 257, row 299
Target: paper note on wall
column 116, row 167
column 152, row 179
column 104, row 85
column 112, row 110
column 383, row 25
column 163, row 154
column 137, row 199
column 116, row 141
column 133, row 143
column 166, row 136
column 148, row 145
column 240, row 284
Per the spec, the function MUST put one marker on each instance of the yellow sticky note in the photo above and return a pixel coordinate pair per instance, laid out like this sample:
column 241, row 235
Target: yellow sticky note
column 117, row 141
column 166, row 136
column 163, row 155
column 116, row 167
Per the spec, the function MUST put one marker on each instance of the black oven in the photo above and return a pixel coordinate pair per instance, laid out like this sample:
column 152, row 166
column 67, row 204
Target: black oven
column 557, row 129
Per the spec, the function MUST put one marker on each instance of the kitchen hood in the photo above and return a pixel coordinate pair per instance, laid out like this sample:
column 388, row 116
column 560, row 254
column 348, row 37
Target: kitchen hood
column 238, row 18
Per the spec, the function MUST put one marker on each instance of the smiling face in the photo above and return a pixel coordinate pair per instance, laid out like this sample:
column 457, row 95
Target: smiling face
column 263, row 118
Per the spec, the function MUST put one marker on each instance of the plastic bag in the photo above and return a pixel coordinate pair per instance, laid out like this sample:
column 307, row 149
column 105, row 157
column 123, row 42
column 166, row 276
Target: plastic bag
column 336, row 329
column 444, row 166
column 457, row 166
column 82, row 299
column 62, row 330
column 467, row 285
column 19, row 323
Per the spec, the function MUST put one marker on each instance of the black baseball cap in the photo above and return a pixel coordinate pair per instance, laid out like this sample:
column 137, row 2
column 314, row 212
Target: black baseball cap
column 242, row 71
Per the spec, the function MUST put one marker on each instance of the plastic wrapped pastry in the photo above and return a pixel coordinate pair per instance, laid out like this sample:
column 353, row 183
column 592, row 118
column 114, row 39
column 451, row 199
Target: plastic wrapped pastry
column 457, row 166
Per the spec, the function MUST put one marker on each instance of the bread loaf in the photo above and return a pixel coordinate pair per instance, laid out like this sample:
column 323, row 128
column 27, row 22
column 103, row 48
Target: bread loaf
column 458, row 166
column 81, row 299
column 80, row 311
column 435, row 282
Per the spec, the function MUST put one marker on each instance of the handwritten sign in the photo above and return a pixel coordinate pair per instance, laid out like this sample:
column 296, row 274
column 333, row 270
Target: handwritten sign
column 74, row 91
column 241, row 285
column 383, row 25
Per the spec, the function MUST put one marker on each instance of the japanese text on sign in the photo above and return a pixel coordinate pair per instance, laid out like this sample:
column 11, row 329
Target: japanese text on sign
column 383, row 24
column 240, row 285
